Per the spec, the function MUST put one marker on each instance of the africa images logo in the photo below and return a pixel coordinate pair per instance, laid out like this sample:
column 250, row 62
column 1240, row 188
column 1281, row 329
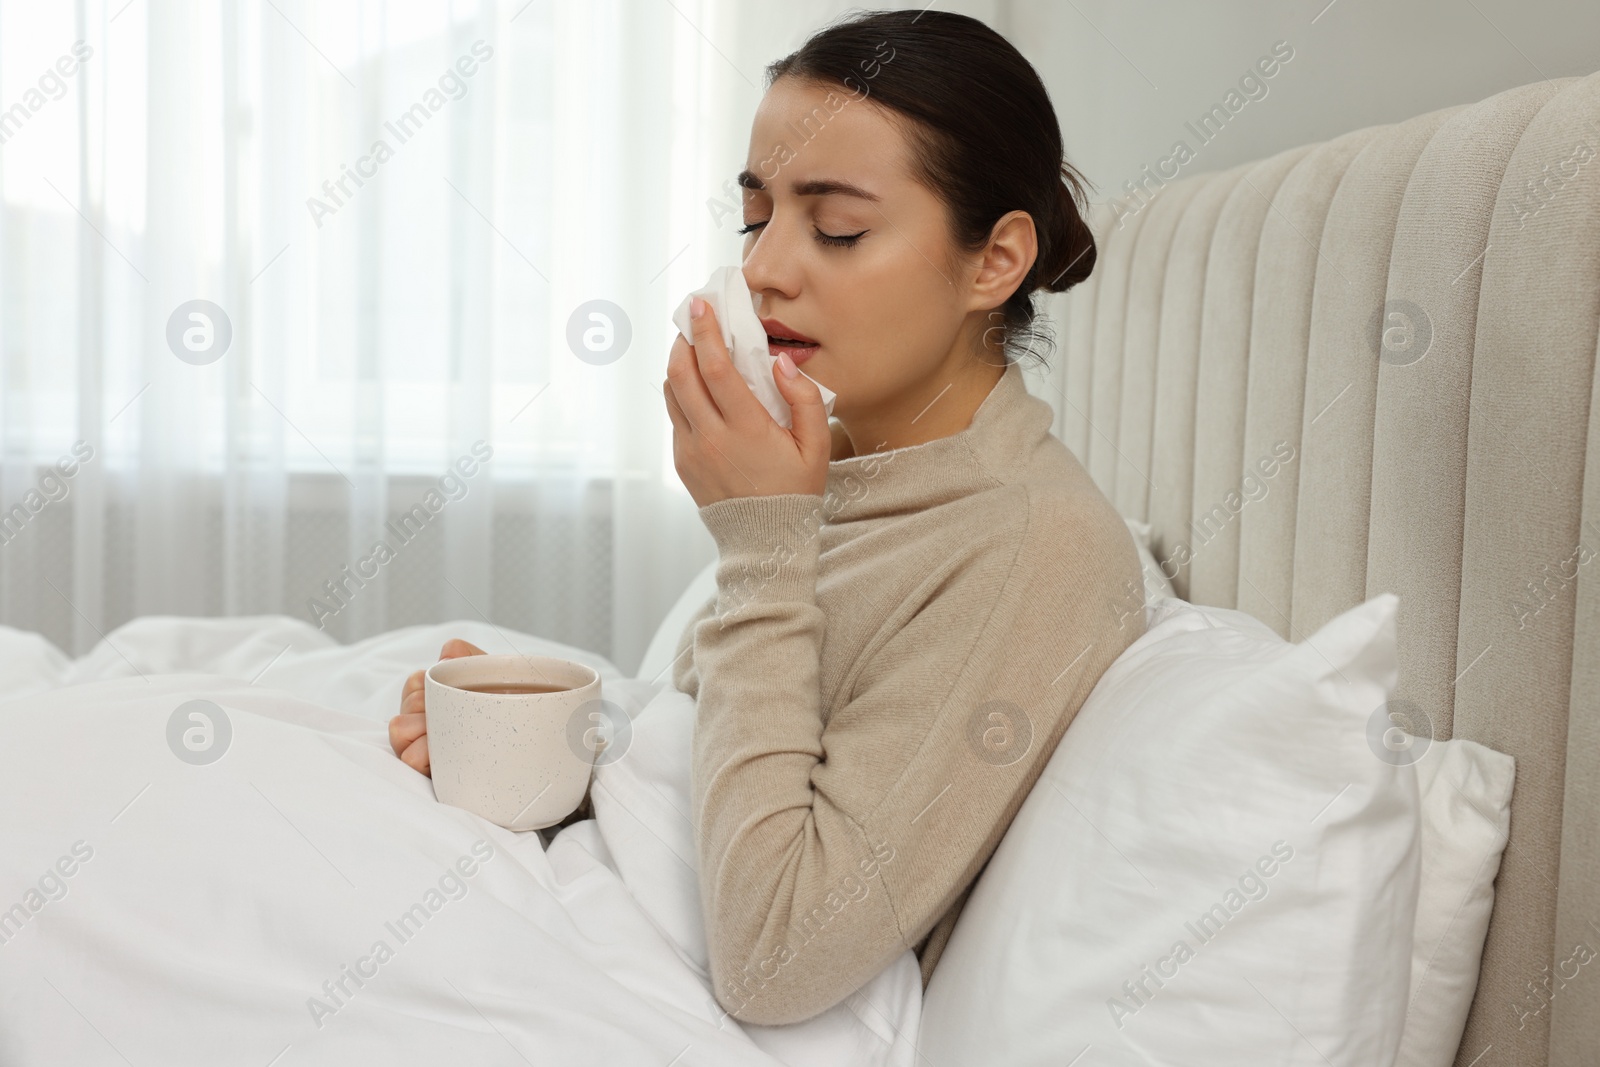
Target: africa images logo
column 403, row 127
column 1250, row 887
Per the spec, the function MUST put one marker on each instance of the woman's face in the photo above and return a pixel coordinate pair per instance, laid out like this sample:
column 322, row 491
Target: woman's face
column 849, row 250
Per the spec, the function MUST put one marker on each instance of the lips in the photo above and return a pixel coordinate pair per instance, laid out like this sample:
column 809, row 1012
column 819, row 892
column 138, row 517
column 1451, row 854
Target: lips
column 777, row 331
column 783, row 339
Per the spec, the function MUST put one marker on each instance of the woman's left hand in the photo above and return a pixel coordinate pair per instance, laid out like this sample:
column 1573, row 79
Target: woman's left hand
column 724, row 442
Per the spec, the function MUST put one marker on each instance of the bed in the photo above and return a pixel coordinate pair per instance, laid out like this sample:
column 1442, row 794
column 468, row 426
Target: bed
column 212, row 855
column 1414, row 309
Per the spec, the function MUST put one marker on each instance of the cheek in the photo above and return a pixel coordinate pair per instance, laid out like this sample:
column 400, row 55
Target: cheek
column 914, row 303
column 890, row 317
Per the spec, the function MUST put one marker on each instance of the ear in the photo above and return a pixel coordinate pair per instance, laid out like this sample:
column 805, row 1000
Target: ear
column 1005, row 261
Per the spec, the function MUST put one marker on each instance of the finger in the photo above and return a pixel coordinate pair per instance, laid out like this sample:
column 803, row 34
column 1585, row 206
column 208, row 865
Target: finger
column 456, row 648
column 680, row 423
column 415, row 682
column 807, row 417
column 689, row 389
column 413, row 703
column 682, row 432
column 728, row 389
column 416, row 756
column 404, row 729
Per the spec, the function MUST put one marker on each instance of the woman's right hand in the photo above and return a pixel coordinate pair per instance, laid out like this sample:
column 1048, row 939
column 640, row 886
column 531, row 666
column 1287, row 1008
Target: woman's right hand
column 408, row 731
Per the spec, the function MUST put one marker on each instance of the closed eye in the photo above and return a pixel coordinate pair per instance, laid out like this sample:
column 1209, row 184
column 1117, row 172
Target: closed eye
column 841, row 240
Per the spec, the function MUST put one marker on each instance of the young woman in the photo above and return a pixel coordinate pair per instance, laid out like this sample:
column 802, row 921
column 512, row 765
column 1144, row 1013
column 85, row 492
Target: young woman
column 914, row 601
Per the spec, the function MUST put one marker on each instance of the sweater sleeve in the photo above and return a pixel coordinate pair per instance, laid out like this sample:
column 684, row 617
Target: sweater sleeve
column 827, row 851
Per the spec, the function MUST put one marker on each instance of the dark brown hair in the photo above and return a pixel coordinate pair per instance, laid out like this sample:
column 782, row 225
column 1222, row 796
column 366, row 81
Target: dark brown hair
column 985, row 138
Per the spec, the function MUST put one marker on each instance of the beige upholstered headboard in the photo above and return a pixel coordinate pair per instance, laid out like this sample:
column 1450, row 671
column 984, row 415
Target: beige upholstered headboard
column 1413, row 309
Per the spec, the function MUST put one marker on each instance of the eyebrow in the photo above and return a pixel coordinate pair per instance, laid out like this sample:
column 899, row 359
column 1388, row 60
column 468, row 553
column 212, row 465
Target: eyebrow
column 814, row 187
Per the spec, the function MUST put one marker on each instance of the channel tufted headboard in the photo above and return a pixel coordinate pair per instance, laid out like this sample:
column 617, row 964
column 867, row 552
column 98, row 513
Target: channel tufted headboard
column 1406, row 319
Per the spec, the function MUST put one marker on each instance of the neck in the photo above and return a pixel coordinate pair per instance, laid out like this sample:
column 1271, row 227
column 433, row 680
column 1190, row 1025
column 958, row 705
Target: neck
column 938, row 406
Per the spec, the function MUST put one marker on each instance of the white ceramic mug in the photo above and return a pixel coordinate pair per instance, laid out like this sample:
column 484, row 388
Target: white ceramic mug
column 520, row 760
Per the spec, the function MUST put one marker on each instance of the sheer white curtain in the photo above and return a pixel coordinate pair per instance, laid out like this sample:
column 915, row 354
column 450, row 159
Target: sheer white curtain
column 404, row 213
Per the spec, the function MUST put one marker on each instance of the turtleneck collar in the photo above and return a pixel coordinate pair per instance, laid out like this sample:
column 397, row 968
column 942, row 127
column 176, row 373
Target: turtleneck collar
column 1005, row 430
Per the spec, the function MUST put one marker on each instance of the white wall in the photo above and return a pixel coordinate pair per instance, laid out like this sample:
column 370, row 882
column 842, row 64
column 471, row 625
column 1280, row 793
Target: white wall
column 1126, row 76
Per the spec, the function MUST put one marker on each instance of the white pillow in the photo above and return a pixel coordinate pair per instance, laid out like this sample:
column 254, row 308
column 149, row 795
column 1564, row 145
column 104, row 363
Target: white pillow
column 664, row 645
column 1214, row 867
column 1466, row 816
column 1157, row 586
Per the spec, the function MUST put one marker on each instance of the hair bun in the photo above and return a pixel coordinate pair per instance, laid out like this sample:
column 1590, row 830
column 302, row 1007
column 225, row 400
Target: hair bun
column 1069, row 253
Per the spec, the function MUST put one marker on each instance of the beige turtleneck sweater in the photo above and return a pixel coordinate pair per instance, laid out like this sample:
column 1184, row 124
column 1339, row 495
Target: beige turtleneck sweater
column 881, row 677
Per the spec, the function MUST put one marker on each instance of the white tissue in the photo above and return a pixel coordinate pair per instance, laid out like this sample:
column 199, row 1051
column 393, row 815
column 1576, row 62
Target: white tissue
column 736, row 308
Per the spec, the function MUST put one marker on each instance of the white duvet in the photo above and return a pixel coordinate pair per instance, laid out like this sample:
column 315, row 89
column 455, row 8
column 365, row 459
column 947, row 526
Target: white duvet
column 304, row 899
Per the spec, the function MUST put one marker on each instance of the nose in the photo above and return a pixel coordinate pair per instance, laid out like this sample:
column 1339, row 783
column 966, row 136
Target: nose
column 771, row 265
